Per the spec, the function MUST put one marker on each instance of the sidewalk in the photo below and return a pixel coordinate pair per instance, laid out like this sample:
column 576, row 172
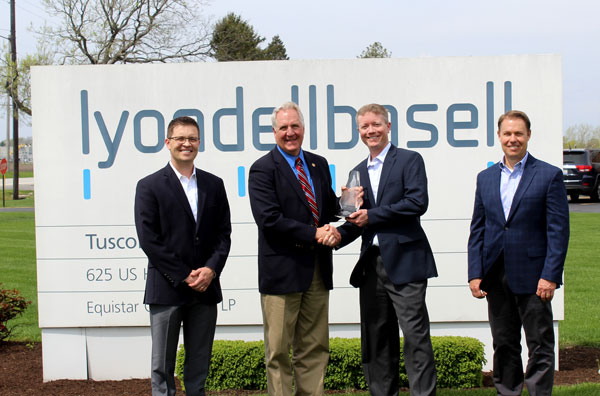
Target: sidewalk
column 25, row 183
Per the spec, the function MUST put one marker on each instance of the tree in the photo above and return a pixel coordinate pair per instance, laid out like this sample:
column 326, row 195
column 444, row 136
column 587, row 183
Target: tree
column 15, row 78
column 375, row 50
column 107, row 32
column 234, row 39
column 275, row 50
column 126, row 31
column 582, row 136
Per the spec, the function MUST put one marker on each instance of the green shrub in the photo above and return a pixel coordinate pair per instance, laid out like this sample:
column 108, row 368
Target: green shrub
column 241, row 365
column 11, row 306
column 458, row 362
column 344, row 370
column 234, row 365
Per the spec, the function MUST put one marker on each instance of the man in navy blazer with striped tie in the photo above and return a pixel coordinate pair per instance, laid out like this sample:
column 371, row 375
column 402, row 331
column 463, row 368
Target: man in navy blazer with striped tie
column 293, row 203
column 517, row 249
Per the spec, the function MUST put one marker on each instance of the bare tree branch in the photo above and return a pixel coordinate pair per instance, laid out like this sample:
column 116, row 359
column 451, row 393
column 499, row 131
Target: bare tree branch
column 126, row 31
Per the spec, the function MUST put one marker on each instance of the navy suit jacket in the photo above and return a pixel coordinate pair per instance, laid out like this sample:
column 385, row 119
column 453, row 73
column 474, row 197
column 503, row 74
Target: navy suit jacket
column 174, row 243
column 287, row 249
column 535, row 236
column 395, row 217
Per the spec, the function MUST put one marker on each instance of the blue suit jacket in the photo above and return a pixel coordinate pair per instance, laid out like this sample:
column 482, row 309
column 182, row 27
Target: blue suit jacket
column 395, row 217
column 174, row 243
column 535, row 236
column 287, row 249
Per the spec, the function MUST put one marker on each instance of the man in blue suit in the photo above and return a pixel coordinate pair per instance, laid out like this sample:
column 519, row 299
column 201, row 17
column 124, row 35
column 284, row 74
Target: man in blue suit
column 517, row 248
column 395, row 260
column 183, row 225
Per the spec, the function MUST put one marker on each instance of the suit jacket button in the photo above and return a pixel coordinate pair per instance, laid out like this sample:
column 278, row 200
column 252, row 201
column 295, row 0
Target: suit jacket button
column 506, row 228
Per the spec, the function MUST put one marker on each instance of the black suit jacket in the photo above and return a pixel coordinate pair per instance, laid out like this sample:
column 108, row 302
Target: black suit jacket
column 286, row 234
column 395, row 218
column 174, row 243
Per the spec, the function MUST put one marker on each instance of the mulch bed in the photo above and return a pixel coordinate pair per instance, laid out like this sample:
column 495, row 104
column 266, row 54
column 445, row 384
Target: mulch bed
column 21, row 374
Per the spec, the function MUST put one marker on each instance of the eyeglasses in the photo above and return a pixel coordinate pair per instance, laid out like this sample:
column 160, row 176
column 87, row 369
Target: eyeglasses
column 181, row 139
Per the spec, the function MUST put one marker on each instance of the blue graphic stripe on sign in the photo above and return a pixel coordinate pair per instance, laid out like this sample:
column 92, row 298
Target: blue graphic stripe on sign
column 332, row 172
column 241, row 181
column 87, row 188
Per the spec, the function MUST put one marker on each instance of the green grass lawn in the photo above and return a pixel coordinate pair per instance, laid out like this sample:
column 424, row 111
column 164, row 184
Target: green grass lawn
column 9, row 174
column 18, row 269
column 26, row 200
column 582, row 276
column 573, row 390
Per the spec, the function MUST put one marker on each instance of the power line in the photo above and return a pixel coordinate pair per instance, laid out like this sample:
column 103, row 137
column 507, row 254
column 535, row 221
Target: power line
column 29, row 11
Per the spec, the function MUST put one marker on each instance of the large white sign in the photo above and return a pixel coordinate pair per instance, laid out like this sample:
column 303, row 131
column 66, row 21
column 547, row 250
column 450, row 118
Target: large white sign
column 99, row 129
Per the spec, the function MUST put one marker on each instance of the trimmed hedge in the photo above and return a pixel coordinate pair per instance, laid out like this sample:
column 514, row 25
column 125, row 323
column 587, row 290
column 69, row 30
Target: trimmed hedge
column 241, row 365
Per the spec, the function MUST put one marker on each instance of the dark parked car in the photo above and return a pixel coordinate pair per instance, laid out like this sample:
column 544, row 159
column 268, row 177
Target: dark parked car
column 581, row 171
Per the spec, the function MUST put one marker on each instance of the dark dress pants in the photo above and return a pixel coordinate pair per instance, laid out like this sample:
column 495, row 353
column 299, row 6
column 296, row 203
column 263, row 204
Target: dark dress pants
column 199, row 322
column 383, row 306
column 508, row 312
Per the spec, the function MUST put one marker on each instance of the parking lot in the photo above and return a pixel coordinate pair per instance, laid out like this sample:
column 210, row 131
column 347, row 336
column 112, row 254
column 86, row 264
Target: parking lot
column 584, row 205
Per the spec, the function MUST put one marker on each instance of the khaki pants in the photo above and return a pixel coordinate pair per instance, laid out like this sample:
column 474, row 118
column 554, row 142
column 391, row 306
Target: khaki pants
column 299, row 321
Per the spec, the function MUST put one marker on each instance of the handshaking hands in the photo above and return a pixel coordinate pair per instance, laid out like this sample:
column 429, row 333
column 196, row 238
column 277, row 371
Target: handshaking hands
column 328, row 235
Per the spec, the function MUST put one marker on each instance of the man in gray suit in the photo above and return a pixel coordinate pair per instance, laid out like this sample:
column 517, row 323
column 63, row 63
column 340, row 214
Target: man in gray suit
column 395, row 260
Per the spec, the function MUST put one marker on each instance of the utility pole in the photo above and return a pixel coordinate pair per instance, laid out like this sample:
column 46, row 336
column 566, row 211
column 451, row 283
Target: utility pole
column 7, row 123
column 13, row 57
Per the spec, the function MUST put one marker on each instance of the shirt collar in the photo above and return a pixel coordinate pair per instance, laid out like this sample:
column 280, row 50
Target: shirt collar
column 517, row 166
column 291, row 159
column 380, row 157
column 179, row 175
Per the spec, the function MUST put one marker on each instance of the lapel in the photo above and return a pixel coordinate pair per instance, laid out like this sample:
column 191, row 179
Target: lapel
column 388, row 165
column 365, row 181
column 528, row 172
column 284, row 169
column 494, row 189
column 174, row 186
column 200, row 184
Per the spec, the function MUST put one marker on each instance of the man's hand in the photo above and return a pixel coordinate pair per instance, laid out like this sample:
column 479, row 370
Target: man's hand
column 545, row 289
column 328, row 235
column 359, row 218
column 199, row 279
column 475, row 290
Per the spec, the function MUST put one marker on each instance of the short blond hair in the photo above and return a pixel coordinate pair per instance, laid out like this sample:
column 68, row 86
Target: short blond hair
column 373, row 108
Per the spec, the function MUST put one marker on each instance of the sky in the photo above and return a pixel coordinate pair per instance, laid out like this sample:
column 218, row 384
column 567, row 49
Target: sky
column 342, row 29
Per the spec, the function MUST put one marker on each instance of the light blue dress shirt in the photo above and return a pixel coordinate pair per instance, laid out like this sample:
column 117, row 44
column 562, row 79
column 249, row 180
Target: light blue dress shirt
column 509, row 182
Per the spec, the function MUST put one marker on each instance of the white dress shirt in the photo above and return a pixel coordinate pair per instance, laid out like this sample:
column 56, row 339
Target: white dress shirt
column 190, row 187
column 374, row 167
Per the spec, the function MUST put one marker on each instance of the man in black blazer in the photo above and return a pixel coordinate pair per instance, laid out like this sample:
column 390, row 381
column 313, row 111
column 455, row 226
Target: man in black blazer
column 517, row 248
column 292, row 202
column 183, row 224
column 395, row 260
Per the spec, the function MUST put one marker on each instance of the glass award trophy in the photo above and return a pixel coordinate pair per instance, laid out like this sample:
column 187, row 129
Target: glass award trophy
column 349, row 201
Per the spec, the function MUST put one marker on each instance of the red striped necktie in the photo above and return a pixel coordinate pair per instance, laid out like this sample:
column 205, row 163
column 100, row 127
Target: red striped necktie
column 310, row 197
